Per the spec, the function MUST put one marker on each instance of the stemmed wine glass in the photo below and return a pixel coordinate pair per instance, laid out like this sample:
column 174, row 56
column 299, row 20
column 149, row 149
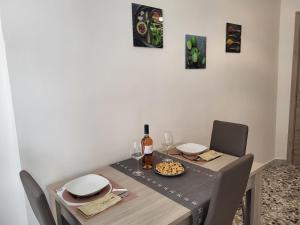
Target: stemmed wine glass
column 167, row 142
column 136, row 153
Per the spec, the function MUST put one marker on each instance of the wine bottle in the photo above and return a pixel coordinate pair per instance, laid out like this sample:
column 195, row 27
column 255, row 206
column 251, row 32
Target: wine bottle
column 147, row 148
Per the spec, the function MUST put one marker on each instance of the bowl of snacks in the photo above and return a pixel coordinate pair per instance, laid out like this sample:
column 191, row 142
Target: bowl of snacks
column 169, row 169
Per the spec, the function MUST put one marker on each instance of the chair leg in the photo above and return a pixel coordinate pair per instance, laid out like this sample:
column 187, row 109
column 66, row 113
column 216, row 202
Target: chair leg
column 58, row 213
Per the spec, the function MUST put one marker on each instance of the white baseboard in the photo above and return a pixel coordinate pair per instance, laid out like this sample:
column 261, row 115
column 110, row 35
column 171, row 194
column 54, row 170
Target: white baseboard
column 275, row 161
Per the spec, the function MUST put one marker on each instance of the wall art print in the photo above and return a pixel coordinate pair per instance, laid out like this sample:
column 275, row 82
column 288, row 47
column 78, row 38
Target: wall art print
column 195, row 52
column 147, row 25
column 233, row 37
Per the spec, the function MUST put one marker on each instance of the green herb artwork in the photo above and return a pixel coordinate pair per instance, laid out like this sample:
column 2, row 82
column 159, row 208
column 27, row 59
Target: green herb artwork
column 147, row 26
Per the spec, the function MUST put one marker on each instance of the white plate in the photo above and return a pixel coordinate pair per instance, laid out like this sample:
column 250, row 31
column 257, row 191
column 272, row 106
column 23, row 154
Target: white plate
column 86, row 185
column 191, row 148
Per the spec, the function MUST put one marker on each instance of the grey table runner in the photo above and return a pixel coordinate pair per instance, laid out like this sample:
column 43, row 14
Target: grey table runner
column 191, row 189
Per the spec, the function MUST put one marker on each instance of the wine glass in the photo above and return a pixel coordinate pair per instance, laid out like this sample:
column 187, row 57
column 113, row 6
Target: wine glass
column 167, row 142
column 136, row 153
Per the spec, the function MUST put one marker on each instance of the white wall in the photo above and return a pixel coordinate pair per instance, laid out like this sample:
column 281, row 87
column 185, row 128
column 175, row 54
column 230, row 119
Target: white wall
column 285, row 62
column 82, row 92
column 12, row 207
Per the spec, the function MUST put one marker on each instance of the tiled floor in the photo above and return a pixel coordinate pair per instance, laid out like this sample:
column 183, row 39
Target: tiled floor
column 280, row 196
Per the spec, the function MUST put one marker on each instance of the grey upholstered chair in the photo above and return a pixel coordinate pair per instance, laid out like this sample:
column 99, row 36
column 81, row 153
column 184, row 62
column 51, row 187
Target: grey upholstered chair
column 37, row 199
column 228, row 191
column 229, row 138
column 39, row 204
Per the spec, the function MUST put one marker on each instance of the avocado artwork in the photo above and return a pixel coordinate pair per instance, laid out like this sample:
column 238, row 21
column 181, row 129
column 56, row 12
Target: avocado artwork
column 195, row 52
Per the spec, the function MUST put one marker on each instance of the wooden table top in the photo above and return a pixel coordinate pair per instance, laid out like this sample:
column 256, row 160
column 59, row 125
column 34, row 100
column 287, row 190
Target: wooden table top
column 149, row 207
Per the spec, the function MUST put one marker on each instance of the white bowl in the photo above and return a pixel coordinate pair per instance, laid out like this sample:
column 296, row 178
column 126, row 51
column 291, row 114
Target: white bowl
column 191, row 148
column 86, row 185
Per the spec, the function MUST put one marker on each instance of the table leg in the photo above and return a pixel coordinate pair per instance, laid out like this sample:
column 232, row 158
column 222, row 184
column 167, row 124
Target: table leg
column 248, row 210
column 58, row 213
column 253, row 202
column 256, row 201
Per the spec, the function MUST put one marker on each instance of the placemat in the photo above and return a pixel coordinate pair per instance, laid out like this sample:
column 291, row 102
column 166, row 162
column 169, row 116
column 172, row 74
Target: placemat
column 191, row 189
column 195, row 159
column 75, row 200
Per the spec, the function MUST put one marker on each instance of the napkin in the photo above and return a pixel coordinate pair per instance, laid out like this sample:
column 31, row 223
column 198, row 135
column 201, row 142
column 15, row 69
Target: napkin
column 94, row 207
column 210, row 155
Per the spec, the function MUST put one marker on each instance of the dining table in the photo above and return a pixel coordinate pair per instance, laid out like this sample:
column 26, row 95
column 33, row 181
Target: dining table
column 150, row 205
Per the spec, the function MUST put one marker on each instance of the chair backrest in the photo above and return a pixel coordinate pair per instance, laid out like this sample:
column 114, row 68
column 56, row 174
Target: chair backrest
column 228, row 191
column 229, row 138
column 37, row 199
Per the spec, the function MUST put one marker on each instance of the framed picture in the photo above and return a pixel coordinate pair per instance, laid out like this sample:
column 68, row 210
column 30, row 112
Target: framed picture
column 195, row 52
column 147, row 23
column 233, row 37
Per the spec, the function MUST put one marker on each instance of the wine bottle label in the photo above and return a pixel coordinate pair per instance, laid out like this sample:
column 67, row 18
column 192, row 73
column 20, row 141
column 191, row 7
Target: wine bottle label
column 148, row 149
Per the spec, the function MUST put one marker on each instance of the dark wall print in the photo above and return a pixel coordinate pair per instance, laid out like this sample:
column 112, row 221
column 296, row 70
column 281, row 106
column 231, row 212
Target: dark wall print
column 147, row 26
column 195, row 52
column 233, row 37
